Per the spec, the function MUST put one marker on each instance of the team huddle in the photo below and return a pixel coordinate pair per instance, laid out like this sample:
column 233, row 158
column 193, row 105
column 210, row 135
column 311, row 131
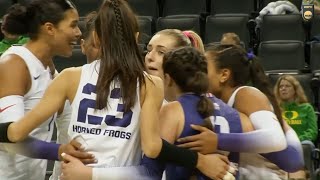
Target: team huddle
column 181, row 112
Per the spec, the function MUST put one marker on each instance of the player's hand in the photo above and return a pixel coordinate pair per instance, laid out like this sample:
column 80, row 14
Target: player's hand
column 206, row 142
column 73, row 168
column 75, row 149
column 215, row 166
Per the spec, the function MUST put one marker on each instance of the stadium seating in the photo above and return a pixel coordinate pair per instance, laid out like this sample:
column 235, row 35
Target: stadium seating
column 183, row 7
column 224, row 23
column 232, row 6
column 309, row 151
column 77, row 59
column 282, row 27
column 282, row 55
column 315, row 26
column 86, row 6
column 182, row 22
column 315, row 57
column 147, row 28
column 145, row 7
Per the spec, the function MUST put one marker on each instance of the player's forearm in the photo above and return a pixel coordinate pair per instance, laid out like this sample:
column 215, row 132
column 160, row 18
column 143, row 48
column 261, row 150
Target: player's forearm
column 34, row 148
column 291, row 158
column 267, row 129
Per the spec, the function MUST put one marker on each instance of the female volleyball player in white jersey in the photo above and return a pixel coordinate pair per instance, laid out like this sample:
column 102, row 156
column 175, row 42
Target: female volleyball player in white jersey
column 115, row 104
column 25, row 74
column 230, row 69
column 167, row 40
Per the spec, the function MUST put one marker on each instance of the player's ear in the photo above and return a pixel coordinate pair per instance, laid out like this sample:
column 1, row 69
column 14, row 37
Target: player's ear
column 137, row 36
column 82, row 45
column 96, row 41
column 168, row 81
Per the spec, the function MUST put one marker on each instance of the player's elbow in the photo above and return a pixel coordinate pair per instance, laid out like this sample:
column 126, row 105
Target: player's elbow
column 279, row 143
column 152, row 149
column 14, row 135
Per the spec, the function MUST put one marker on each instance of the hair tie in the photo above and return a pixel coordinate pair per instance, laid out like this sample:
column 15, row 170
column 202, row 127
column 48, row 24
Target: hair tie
column 191, row 38
column 250, row 56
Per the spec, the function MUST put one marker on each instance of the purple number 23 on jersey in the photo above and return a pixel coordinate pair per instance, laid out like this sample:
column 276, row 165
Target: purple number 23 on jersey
column 110, row 120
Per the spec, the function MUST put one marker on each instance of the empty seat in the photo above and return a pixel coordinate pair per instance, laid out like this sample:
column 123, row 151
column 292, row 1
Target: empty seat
column 86, row 6
column 282, row 27
column 308, row 154
column 303, row 78
column 315, row 26
column 232, row 6
column 315, row 57
column 77, row 59
column 178, row 7
column 282, row 55
column 180, row 22
column 146, row 29
column 220, row 24
column 145, row 7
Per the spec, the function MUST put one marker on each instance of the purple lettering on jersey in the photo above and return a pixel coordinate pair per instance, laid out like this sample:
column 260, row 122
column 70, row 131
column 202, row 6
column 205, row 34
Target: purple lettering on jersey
column 85, row 104
column 121, row 122
column 110, row 120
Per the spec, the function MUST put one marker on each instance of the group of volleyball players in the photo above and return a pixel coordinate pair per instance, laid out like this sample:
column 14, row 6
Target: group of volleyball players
column 122, row 117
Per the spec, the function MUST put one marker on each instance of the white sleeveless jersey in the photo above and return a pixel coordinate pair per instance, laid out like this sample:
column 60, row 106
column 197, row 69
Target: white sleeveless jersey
column 62, row 123
column 253, row 166
column 17, row 167
column 110, row 134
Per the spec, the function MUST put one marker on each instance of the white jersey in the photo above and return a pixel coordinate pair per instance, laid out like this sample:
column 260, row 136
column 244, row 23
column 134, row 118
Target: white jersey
column 110, row 134
column 253, row 166
column 62, row 123
column 17, row 167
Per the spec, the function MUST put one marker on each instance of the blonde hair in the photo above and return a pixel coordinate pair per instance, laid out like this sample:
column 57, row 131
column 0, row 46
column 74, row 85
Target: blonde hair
column 230, row 38
column 180, row 39
column 195, row 40
column 300, row 96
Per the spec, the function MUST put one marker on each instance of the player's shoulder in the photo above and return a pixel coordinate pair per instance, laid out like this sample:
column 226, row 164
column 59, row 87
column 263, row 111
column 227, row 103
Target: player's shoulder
column 72, row 71
column 152, row 80
column 12, row 61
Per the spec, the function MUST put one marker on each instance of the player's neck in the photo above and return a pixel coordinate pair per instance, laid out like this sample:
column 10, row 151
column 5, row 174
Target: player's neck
column 226, row 93
column 41, row 50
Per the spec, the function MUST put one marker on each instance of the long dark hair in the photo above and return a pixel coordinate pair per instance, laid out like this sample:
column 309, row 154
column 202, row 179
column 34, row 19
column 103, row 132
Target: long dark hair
column 116, row 26
column 188, row 68
column 245, row 69
column 21, row 19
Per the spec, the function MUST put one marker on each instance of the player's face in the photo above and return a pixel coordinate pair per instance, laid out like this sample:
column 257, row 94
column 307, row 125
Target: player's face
column 286, row 90
column 214, row 76
column 67, row 33
column 157, row 47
